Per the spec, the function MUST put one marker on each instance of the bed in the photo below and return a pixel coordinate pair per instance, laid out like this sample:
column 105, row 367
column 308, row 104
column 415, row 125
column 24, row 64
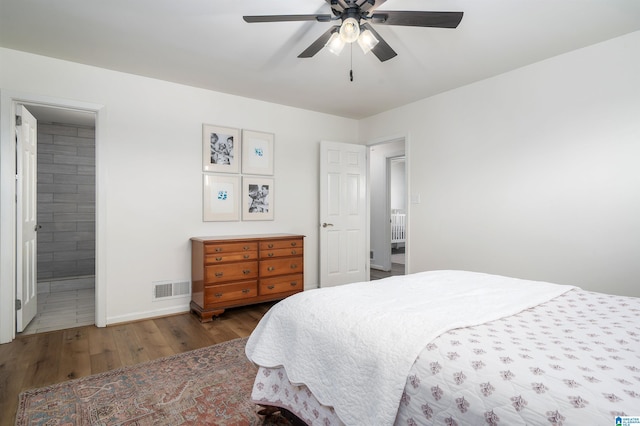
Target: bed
column 450, row 348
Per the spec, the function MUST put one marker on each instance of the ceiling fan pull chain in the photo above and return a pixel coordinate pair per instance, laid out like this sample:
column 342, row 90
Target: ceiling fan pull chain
column 351, row 70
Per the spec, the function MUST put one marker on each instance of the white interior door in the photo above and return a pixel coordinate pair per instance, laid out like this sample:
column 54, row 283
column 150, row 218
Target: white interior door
column 343, row 215
column 26, row 224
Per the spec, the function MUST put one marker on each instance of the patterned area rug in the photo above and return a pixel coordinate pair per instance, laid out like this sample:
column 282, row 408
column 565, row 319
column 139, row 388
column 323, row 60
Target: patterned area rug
column 208, row 386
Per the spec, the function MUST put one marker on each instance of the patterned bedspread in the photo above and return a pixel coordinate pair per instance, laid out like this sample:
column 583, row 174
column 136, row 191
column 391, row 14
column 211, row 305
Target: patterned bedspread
column 574, row 360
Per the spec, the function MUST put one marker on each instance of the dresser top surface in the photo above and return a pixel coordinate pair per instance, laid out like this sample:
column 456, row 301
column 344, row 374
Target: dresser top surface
column 245, row 237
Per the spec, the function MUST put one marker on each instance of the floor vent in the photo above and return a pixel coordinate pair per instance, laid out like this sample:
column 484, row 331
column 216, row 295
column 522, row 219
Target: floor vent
column 168, row 289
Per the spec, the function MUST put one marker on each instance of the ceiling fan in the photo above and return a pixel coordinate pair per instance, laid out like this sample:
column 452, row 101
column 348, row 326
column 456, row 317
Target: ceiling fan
column 356, row 17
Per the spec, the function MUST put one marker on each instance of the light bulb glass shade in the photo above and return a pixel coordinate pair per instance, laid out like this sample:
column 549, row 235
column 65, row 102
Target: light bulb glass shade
column 335, row 44
column 349, row 30
column 367, row 41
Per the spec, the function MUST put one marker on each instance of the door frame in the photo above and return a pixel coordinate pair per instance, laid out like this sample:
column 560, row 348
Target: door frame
column 8, row 101
column 380, row 141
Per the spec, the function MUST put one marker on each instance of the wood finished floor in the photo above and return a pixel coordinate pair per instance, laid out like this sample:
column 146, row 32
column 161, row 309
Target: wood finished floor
column 37, row 360
column 396, row 269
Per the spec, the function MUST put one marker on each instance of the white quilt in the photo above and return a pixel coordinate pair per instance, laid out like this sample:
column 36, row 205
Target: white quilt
column 324, row 338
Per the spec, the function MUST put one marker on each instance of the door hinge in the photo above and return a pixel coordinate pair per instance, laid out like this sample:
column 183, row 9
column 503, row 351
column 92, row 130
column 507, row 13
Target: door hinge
column 18, row 304
column 18, row 120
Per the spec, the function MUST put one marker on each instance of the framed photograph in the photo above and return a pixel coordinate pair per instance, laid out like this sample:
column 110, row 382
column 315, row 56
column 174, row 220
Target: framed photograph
column 257, row 198
column 221, row 198
column 220, row 149
column 257, row 153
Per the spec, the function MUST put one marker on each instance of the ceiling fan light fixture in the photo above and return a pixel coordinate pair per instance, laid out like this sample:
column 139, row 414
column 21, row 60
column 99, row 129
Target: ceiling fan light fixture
column 335, row 44
column 350, row 30
column 367, row 41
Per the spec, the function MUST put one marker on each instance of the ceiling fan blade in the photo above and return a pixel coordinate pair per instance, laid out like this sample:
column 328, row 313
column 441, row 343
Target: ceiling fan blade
column 370, row 5
column 317, row 45
column 418, row 19
column 285, row 18
column 382, row 50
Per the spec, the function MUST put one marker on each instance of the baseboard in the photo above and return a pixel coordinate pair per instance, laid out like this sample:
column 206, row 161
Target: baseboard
column 156, row 313
column 379, row 268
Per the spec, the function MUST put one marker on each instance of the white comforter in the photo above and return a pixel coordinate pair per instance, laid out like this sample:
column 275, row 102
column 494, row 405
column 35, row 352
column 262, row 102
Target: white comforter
column 324, row 338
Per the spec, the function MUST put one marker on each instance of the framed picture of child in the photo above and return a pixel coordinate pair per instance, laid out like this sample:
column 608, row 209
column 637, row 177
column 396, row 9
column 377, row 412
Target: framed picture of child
column 221, row 150
column 258, row 194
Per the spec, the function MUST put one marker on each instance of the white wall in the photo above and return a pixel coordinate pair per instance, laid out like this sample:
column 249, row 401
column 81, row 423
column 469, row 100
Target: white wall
column 149, row 171
column 534, row 173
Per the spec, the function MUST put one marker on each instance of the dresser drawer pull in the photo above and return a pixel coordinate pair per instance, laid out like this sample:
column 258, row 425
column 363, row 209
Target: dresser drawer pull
column 219, row 258
column 293, row 244
column 271, row 287
column 271, row 268
column 270, row 245
column 218, row 295
column 246, row 271
column 246, row 290
column 219, row 274
column 294, row 266
column 218, row 249
column 246, row 256
column 270, row 254
column 246, row 248
column 293, row 283
column 294, row 251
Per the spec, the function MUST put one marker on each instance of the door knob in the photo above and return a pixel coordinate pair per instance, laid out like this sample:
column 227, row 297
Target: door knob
column 325, row 224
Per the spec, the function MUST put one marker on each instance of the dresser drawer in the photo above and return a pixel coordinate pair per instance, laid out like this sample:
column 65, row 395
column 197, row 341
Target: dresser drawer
column 227, row 292
column 282, row 244
column 282, row 284
column 238, row 247
column 230, row 257
column 283, row 266
column 280, row 252
column 230, row 271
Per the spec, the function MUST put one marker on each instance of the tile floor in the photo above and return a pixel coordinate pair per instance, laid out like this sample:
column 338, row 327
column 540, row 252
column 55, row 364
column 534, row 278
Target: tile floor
column 63, row 309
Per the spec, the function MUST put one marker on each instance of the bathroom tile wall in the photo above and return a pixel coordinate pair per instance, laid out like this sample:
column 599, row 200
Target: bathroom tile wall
column 66, row 204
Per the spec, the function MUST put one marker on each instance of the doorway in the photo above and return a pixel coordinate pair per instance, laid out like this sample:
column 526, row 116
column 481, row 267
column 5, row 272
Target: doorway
column 398, row 208
column 388, row 208
column 66, row 219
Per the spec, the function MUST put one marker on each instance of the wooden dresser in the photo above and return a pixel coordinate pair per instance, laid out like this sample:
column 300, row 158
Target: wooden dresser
column 234, row 271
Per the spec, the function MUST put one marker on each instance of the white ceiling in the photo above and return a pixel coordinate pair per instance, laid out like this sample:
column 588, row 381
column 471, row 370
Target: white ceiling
column 46, row 114
column 205, row 43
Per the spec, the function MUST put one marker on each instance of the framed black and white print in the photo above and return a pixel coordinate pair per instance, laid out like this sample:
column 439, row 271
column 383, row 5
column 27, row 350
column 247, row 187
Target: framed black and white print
column 221, row 198
column 258, row 194
column 221, row 149
column 257, row 152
